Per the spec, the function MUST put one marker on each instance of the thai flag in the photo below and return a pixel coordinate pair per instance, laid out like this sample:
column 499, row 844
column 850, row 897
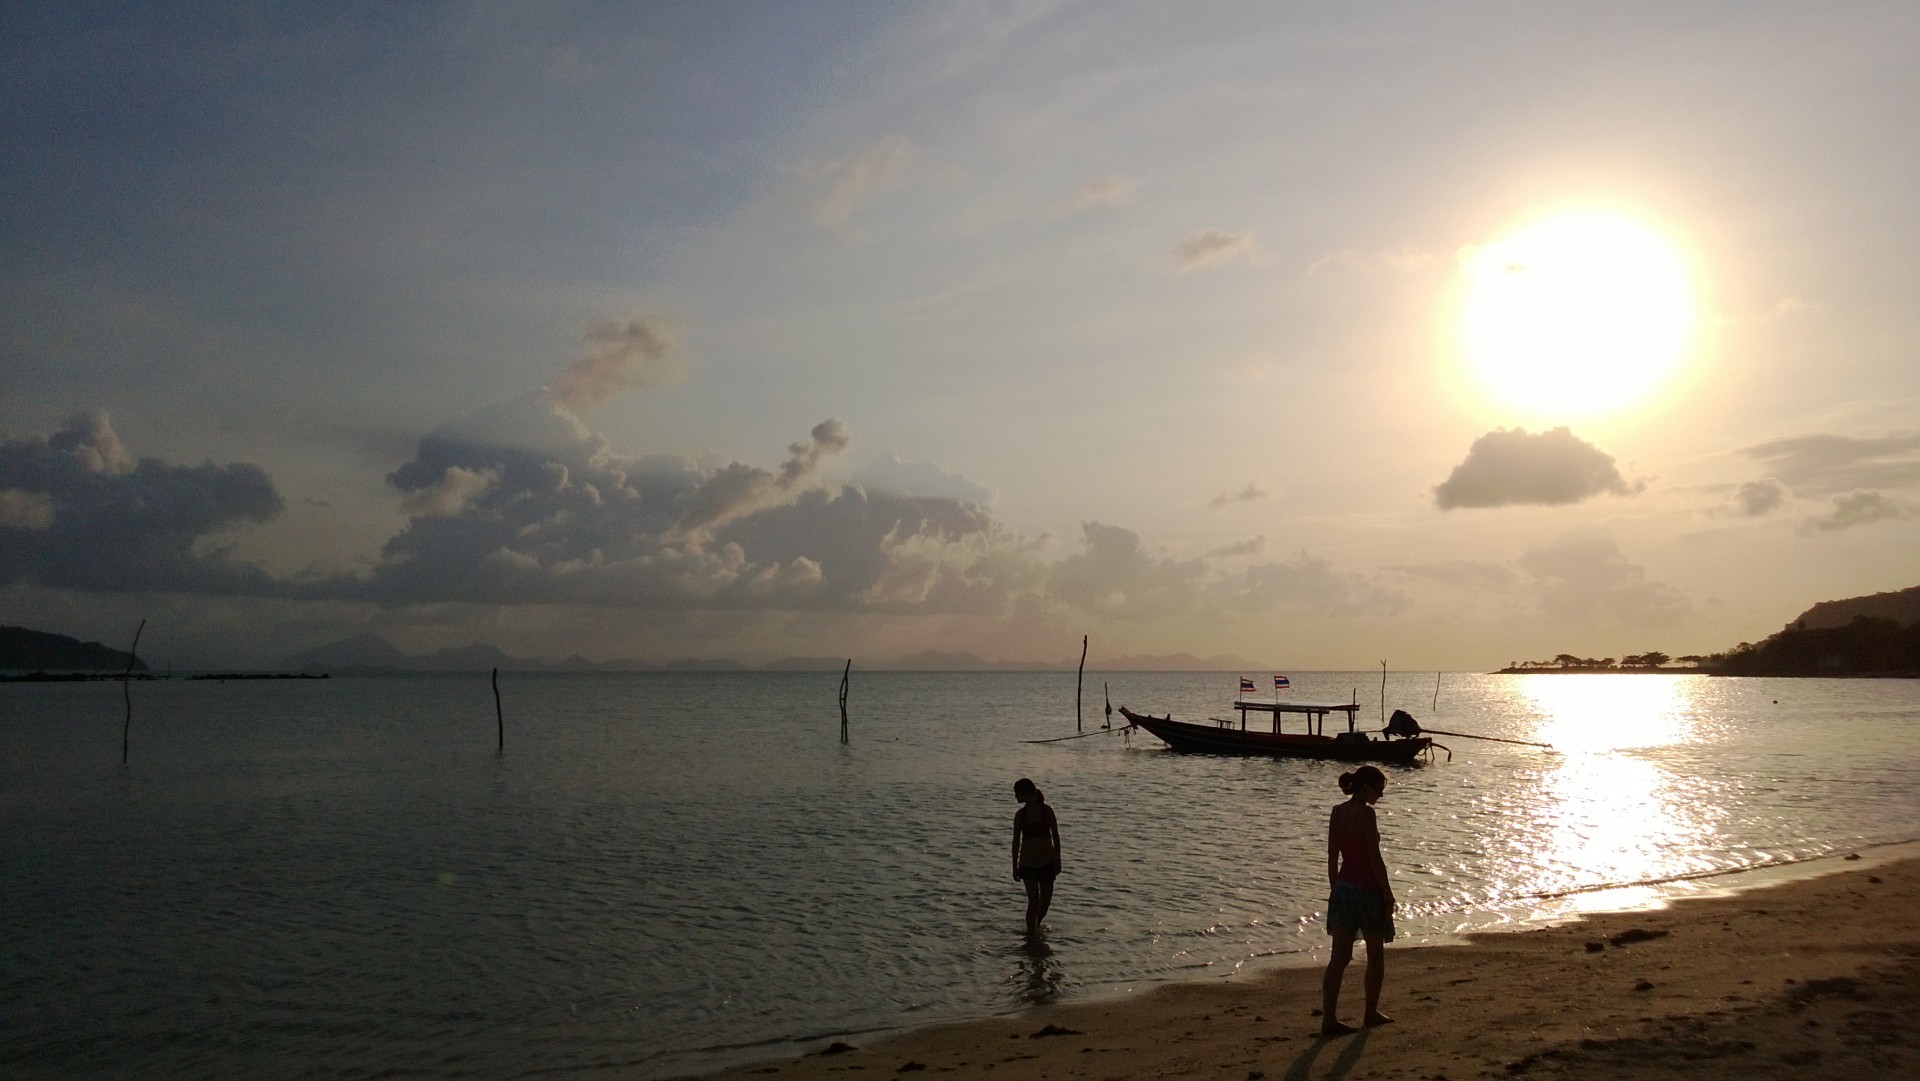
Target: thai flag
column 1281, row 683
column 1246, row 685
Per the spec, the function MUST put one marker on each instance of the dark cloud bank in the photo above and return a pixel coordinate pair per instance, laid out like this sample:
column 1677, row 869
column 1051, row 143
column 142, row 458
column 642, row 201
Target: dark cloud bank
column 521, row 503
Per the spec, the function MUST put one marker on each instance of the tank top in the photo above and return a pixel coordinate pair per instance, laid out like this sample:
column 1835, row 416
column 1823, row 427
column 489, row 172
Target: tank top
column 1356, row 859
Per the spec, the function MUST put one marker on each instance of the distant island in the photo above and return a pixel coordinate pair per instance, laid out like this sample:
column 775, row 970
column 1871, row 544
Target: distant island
column 370, row 654
column 27, row 650
column 1876, row 635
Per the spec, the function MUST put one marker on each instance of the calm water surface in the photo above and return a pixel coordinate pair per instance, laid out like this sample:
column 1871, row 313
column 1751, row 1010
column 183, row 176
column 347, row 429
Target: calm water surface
column 670, row 873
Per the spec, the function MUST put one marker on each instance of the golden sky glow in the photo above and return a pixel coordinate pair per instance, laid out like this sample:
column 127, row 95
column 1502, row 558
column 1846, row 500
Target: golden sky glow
column 1577, row 314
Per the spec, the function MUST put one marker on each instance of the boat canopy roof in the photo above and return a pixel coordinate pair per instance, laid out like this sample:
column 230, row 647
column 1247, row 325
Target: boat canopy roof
column 1320, row 709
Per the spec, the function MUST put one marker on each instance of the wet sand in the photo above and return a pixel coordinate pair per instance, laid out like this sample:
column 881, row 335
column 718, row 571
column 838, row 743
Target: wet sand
column 1817, row 977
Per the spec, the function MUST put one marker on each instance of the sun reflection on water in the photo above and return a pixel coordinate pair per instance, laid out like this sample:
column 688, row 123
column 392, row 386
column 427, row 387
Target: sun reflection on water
column 1607, row 814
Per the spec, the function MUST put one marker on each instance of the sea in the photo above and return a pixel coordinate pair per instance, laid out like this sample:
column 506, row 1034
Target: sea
column 656, row 875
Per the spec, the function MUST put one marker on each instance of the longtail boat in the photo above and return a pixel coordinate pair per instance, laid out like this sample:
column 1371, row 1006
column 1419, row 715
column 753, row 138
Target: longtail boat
column 1225, row 737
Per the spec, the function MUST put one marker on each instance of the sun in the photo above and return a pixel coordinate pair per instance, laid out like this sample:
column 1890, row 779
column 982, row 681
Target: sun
column 1577, row 314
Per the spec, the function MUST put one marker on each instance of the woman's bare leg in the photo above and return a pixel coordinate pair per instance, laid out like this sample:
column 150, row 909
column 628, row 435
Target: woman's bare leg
column 1035, row 907
column 1376, row 975
column 1330, row 984
column 1046, row 900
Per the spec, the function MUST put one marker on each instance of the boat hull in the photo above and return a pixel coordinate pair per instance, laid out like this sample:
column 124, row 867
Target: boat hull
column 1212, row 739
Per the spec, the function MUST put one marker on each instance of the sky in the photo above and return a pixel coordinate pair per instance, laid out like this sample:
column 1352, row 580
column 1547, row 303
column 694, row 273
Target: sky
column 1306, row 335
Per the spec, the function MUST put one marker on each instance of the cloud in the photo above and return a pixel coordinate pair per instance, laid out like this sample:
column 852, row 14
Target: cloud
column 1252, row 546
column 1390, row 261
column 1250, row 494
column 1474, row 577
column 637, row 353
column 77, row 511
column 32, row 511
column 1108, row 191
column 451, row 493
column 1214, row 247
column 1756, row 498
column 530, row 506
column 1116, row 576
column 852, row 182
column 1510, row 467
column 1856, row 508
column 1585, row 576
column 888, row 474
column 1823, row 464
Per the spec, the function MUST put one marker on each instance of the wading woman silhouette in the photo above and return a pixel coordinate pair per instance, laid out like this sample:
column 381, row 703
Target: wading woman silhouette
column 1036, row 850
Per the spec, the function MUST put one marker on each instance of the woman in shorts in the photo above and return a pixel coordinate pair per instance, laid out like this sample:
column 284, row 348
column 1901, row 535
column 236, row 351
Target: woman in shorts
column 1361, row 902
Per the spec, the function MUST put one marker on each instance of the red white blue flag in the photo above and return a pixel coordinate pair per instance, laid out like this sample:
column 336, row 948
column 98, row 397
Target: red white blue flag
column 1246, row 685
column 1281, row 683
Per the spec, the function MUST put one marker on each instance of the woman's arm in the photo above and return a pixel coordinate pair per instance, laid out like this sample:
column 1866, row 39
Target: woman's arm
column 1373, row 854
column 1333, row 847
column 1016, row 844
column 1053, row 829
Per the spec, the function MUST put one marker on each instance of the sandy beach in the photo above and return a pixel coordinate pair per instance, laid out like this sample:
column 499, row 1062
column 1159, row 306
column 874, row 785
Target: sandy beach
column 1811, row 977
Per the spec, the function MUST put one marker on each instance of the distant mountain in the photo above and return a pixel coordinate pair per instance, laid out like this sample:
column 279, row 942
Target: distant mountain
column 363, row 652
column 1902, row 606
column 1179, row 662
column 40, row 651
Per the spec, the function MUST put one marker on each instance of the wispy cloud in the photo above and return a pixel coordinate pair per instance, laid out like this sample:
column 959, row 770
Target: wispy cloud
column 641, row 352
column 852, row 182
column 1108, row 191
column 1508, row 467
column 1252, row 546
column 1825, row 464
column 1252, row 493
column 1853, row 509
column 1214, row 247
column 1388, row 261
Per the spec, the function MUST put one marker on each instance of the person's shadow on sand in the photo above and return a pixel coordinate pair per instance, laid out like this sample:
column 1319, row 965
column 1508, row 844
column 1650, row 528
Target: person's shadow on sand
column 1302, row 1068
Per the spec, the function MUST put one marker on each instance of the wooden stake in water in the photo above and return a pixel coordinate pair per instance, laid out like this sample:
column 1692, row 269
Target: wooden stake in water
column 1079, row 679
column 499, row 718
column 1383, row 694
column 126, row 691
column 844, row 680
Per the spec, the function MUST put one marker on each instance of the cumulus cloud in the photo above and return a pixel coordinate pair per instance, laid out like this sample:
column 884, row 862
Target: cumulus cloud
column 889, row 474
column 1508, row 467
column 451, row 493
column 1252, row 493
column 538, row 508
column 77, row 511
column 1758, row 497
column 1213, row 247
column 620, row 356
column 1108, row 191
column 1856, row 508
column 1823, row 464
column 1585, row 576
column 852, row 182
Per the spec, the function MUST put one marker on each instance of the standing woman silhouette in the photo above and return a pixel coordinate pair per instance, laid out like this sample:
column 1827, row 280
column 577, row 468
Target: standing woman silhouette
column 1036, row 850
column 1360, row 902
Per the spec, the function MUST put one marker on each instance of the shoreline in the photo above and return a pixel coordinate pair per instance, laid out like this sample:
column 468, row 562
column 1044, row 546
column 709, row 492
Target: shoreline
column 1810, row 967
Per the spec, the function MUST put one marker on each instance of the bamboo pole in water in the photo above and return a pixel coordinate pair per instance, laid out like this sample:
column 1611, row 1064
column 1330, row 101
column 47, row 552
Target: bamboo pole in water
column 499, row 717
column 1079, row 679
column 126, row 691
column 844, row 680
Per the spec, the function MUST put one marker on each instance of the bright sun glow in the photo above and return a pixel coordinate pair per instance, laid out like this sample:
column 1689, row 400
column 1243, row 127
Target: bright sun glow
column 1577, row 314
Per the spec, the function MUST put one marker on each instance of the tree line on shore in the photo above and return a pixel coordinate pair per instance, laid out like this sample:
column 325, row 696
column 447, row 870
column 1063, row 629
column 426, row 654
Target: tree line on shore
column 1866, row 646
